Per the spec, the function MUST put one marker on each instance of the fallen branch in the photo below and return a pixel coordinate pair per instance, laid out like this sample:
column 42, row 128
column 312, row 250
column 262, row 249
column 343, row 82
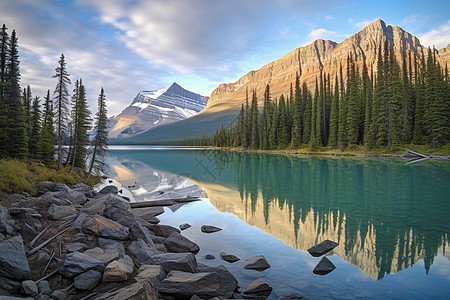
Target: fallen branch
column 46, row 242
column 39, row 235
column 48, row 264
column 49, row 275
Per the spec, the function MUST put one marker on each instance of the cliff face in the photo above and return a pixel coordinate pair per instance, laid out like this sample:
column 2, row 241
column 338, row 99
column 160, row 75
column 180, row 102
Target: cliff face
column 319, row 56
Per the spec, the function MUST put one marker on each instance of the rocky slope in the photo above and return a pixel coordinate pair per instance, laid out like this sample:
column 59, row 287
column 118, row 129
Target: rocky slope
column 308, row 61
column 153, row 108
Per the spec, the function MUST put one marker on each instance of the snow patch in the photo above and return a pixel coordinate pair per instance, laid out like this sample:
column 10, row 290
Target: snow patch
column 140, row 191
column 156, row 94
column 141, row 105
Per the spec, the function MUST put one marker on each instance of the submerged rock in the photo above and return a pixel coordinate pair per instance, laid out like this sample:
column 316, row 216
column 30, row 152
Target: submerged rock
column 322, row 248
column 258, row 288
column 209, row 229
column 185, row 226
column 258, row 262
column 324, row 267
column 229, row 257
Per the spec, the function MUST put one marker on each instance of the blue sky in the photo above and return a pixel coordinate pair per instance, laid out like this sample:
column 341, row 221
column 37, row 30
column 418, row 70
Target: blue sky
column 132, row 45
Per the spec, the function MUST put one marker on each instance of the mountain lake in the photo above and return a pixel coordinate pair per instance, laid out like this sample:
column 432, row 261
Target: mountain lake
column 391, row 218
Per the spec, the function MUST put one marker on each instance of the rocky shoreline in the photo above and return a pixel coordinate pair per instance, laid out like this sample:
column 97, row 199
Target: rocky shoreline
column 78, row 243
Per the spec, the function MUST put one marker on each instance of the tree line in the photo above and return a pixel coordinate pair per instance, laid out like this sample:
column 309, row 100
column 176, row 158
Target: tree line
column 52, row 133
column 403, row 101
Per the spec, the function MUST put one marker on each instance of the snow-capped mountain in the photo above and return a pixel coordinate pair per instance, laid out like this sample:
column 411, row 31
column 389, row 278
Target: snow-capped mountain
column 153, row 108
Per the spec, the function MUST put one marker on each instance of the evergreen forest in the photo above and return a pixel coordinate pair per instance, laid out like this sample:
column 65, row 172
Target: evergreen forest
column 55, row 131
column 403, row 101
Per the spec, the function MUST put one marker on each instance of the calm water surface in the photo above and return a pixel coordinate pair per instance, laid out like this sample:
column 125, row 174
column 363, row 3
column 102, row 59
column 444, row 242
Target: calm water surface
column 391, row 220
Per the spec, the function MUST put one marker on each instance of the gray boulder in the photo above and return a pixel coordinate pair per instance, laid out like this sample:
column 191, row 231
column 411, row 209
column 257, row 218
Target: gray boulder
column 163, row 230
column 44, row 287
column 185, row 262
column 60, row 294
column 77, row 263
column 140, row 290
column 80, row 187
column 229, row 257
column 142, row 251
column 137, row 231
column 13, row 261
column 258, row 289
column 104, row 227
column 291, row 296
column 5, row 221
column 109, row 189
column 29, row 288
column 258, row 262
column 57, row 198
column 184, row 285
column 106, row 255
column 185, row 226
column 57, row 211
column 228, row 283
column 322, row 248
column 178, row 243
column 324, row 267
column 209, row 229
column 87, row 280
column 153, row 273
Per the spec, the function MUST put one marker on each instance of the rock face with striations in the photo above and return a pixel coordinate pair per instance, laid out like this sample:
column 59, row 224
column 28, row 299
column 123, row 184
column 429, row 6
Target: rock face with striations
column 309, row 61
column 153, row 108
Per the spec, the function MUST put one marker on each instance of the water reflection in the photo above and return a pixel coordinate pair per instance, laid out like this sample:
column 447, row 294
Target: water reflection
column 386, row 215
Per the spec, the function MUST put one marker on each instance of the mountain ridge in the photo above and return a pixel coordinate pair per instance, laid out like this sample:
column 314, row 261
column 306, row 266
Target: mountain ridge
column 310, row 61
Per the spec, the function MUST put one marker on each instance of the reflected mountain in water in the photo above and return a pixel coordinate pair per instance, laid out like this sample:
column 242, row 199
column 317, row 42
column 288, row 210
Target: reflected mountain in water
column 386, row 215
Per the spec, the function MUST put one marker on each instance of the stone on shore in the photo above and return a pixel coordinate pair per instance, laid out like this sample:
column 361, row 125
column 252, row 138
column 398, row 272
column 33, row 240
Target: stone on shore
column 163, row 230
column 137, row 231
column 77, row 263
column 258, row 262
column 61, row 294
column 13, row 261
column 58, row 212
column 87, row 280
column 322, row 248
column 210, row 229
column 29, row 288
column 44, row 287
column 142, row 251
column 324, row 267
column 229, row 257
column 178, row 243
column 153, row 273
column 185, row 262
column 109, row 189
column 106, row 255
column 118, row 270
column 103, row 227
column 5, row 221
column 228, row 283
column 259, row 289
column 184, row 285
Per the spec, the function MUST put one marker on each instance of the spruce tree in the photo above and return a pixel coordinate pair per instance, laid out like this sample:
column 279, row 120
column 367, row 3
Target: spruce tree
column 45, row 149
column 273, row 133
column 4, row 58
column 82, row 125
column 283, row 130
column 297, row 115
column 342, row 128
column 254, row 121
column 307, row 129
column 61, row 105
column 353, row 109
column 367, row 97
column 334, row 116
column 99, row 144
column 35, row 126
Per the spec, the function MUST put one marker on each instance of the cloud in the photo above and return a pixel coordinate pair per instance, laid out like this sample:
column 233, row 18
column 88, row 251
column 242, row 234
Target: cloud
column 439, row 37
column 363, row 23
column 324, row 34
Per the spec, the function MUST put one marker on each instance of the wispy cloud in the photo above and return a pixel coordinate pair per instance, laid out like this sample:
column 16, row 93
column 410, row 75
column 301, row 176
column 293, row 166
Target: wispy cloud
column 439, row 37
column 324, row 34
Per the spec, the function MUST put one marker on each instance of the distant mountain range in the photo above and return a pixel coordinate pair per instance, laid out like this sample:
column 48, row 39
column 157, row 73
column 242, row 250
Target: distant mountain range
column 308, row 61
column 150, row 109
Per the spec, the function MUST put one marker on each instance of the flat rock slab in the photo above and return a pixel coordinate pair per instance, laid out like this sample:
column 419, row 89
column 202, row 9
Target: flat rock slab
column 109, row 189
column 210, row 229
column 291, row 296
column 118, row 270
column 229, row 257
column 77, row 263
column 184, row 285
column 322, row 248
column 103, row 227
column 29, row 288
column 165, row 202
column 87, row 280
column 259, row 288
column 185, row 262
column 178, row 243
column 139, row 290
column 149, row 211
column 324, row 267
column 258, row 262
column 13, row 260
column 154, row 273
column 228, row 283
column 163, row 230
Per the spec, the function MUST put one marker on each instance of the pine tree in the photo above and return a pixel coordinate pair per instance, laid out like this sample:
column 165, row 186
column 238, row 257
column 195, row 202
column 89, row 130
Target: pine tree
column 297, row 115
column 16, row 117
column 241, row 126
column 45, row 149
column 72, row 123
column 99, row 144
column 283, row 130
column 342, row 128
column 353, row 109
column 82, row 125
column 61, row 105
column 307, row 129
column 367, row 96
column 248, row 124
column 254, row 121
column 4, row 58
column 380, row 98
column 419, row 132
column 35, row 126
column 334, row 116
column 273, row 133
column 394, row 107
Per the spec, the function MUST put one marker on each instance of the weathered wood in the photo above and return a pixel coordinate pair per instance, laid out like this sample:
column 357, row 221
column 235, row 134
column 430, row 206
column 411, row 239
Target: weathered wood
column 48, row 264
column 32, row 251
column 417, row 160
column 48, row 275
column 163, row 202
column 39, row 235
column 417, row 154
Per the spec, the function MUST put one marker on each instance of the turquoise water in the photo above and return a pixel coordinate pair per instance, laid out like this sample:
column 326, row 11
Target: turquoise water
column 391, row 219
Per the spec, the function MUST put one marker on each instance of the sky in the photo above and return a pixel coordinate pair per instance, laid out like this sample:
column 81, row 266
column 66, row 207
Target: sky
column 127, row 46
